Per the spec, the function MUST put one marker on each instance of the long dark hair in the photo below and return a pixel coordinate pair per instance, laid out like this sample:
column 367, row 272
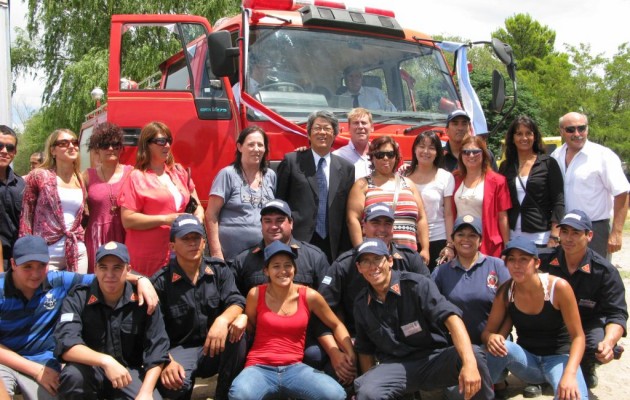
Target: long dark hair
column 435, row 141
column 264, row 163
column 511, row 155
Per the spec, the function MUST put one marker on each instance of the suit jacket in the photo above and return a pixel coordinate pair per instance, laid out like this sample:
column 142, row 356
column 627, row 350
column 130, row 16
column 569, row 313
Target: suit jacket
column 297, row 185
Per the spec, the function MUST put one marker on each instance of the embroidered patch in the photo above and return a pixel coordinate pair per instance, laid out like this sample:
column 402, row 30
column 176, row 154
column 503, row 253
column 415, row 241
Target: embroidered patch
column 49, row 301
column 411, row 328
column 209, row 271
column 492, row 281
column 395, row 288
column 110, row 245
column 397, row 256
column 327, row 280
column 468, row 218
column 555, row 262
column 175, row 277
column 133, row 297
column 586, row 268
column 93, row 299
column 66, row 317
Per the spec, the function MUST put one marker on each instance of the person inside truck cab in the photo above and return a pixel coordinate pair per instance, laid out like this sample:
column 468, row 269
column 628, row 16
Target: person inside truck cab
column 372, row 98
column 259, row 69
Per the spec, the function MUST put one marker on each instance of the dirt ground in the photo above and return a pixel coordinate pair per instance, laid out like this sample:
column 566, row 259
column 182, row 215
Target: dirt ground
column 613, row 377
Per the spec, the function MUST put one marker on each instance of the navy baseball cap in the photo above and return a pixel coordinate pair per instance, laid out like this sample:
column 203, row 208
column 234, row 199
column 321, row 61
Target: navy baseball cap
column 378, row 210
column 30, row 248
column 468, row 220
column 113, row 249
column 457, row 113
column 185, row 224
column 372, row 246
column 577, row 219
column 522, row 244
column 277, row 247
column 276, row 205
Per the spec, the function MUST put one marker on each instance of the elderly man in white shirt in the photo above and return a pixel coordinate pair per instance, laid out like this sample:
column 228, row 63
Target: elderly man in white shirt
column 594, row 182
column 364, row 96
column 356, row 151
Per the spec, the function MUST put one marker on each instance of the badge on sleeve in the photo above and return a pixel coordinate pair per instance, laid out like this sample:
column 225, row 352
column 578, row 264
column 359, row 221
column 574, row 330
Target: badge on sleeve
column 411, row 328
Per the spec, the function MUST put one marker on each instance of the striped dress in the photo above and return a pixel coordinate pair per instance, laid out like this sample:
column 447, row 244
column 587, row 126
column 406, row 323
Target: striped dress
column 406, row 212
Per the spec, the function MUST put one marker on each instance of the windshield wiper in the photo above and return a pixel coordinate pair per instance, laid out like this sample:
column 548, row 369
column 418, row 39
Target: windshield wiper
column 414, row 127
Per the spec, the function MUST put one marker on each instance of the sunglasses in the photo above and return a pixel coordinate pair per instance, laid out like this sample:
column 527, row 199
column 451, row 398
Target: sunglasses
column 471, row 152
column 162, row 141
column 382, row 154
column 65, row 143
column 113, row 145
column 572, row 129
column 10, row 147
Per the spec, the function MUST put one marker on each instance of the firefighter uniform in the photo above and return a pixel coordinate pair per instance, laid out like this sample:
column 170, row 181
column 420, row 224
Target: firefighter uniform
column 406, row 334
column 136, row 340
column 342, row 283
column 189, row 311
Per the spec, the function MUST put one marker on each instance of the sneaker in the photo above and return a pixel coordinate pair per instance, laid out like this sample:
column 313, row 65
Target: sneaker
column 532, row 391
column 501, row 390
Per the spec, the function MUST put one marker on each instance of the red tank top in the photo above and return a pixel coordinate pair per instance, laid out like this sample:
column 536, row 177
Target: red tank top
column 279, row 340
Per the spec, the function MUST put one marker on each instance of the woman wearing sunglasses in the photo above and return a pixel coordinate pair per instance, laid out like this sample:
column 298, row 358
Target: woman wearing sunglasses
column 103, row 184
column 535, row 182
column 482, row 193
column 53, row 203
column 384, row 185
column 155, row 194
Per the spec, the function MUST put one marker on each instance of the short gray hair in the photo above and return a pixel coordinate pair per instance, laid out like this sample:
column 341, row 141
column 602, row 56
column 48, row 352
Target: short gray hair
column 328, row 116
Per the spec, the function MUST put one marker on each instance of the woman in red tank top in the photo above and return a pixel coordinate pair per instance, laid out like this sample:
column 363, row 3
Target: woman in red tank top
column 278, row 314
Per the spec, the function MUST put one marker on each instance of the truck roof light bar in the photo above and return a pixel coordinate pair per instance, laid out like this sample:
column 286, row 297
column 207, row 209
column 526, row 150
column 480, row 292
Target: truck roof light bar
column 293, row 5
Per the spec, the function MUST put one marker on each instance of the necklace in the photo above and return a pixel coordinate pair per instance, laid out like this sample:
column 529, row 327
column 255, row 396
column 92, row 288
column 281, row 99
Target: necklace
column 465, row 193
column 280, row 303
column 113, row 210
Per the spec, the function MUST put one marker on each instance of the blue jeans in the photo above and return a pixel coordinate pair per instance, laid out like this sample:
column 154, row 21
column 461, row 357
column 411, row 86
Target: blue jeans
column 295, row 380
column 532, row 368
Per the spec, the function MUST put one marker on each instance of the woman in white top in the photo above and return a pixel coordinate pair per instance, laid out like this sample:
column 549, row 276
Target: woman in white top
column 436, row 187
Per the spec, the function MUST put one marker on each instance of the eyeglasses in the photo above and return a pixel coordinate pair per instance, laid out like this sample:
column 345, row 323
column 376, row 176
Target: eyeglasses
column 65, row 143
column 161, row 141
column 379, row 155
column 371, row 262
column 113, row 145
column 10, row 147
column 471, row 152
column 327, row 129
column 572, row 129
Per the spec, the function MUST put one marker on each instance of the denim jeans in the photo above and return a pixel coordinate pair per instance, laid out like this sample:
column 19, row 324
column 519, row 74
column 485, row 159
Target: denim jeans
column 532, row 368
column 295, row 380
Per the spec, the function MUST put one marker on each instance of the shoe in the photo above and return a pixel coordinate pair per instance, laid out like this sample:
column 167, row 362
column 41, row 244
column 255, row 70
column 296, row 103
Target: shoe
column 500, row 390
column 532, row 391
column 590, row 376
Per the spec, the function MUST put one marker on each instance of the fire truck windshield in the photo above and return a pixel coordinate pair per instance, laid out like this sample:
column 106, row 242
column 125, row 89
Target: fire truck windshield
column 296, row 71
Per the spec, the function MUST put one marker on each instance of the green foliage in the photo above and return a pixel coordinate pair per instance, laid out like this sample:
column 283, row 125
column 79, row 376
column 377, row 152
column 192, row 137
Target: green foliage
column 529, row 39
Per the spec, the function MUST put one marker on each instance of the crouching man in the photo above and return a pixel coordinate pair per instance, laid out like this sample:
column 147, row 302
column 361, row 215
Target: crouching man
column 112, row 348
column 400, row 321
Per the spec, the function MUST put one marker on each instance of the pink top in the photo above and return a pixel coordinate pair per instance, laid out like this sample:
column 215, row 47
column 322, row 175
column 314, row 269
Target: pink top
column 104, row 224
column 42, row 214
column 143, row 192
column 279, row 340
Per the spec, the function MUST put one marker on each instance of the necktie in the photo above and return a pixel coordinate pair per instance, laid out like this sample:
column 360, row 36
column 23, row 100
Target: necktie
column 321, row 227
column 355, row 100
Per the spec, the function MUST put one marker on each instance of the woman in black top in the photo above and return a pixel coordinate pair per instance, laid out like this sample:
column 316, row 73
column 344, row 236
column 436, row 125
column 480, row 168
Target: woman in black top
column 535, row 183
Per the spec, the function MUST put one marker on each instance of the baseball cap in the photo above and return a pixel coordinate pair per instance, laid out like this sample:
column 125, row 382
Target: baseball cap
column 113, row 249
column 372, row 246
column 468, row 220
column 277, row 247
column 276, row 204
column 522, row 244
column 378, row 210
column 185, row 224
column 457, row 113
column 30, row 248
column 577, row 219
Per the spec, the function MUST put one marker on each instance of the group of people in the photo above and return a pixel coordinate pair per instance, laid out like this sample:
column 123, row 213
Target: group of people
column 386, row 279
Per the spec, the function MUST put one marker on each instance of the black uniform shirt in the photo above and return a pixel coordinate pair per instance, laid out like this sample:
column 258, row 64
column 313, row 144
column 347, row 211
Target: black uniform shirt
column 598, row 288
column 410, row 320
column 11, row 192
column 125, row 332
column 248, row 266
column 343, row 282
column 190, row 310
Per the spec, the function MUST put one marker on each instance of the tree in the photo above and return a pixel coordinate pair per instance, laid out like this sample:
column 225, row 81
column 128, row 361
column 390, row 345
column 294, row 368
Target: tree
column 529, row 39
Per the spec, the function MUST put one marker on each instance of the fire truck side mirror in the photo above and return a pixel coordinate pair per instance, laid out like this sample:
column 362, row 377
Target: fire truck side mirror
column 498, row 92
column 222, row 54
column 505, row 54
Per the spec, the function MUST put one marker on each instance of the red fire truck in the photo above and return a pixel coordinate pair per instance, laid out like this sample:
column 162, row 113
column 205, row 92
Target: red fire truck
column 272, row 65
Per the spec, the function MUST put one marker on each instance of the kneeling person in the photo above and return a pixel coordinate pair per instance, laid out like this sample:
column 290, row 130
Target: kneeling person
column 203, row 311
column 112, row 348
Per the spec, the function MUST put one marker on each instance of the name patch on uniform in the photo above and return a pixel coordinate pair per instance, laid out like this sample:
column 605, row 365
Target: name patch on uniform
column 327, row 280
column 411, row 328
column 67, row 317
column 587, row 303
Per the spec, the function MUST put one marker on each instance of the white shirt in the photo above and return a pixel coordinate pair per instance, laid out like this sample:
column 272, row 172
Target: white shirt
column 361, row 162
column 433, row 194
column 326, row 168
column 373, row 99
column 591, row 180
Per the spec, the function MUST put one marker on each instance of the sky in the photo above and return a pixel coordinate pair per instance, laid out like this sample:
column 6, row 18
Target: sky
column 602, row 24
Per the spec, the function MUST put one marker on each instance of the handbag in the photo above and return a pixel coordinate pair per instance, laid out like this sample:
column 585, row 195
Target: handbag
column 192, row 205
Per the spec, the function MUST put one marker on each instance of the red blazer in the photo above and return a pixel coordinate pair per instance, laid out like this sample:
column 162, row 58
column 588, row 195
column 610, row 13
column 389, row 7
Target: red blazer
column 496, row 197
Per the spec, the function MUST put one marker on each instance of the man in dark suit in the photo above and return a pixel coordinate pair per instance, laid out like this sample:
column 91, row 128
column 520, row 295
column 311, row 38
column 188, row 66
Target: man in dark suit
column 315, row 183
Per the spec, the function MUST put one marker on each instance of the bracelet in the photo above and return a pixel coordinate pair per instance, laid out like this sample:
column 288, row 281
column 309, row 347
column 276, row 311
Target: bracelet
column 142, row 276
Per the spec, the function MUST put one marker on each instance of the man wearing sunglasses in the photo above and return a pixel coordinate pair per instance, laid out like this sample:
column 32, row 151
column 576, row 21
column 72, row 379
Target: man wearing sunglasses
column 11, row 190
column 594, row 182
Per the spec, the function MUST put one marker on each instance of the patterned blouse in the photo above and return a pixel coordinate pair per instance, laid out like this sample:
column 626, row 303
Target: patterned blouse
column 42, row 214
